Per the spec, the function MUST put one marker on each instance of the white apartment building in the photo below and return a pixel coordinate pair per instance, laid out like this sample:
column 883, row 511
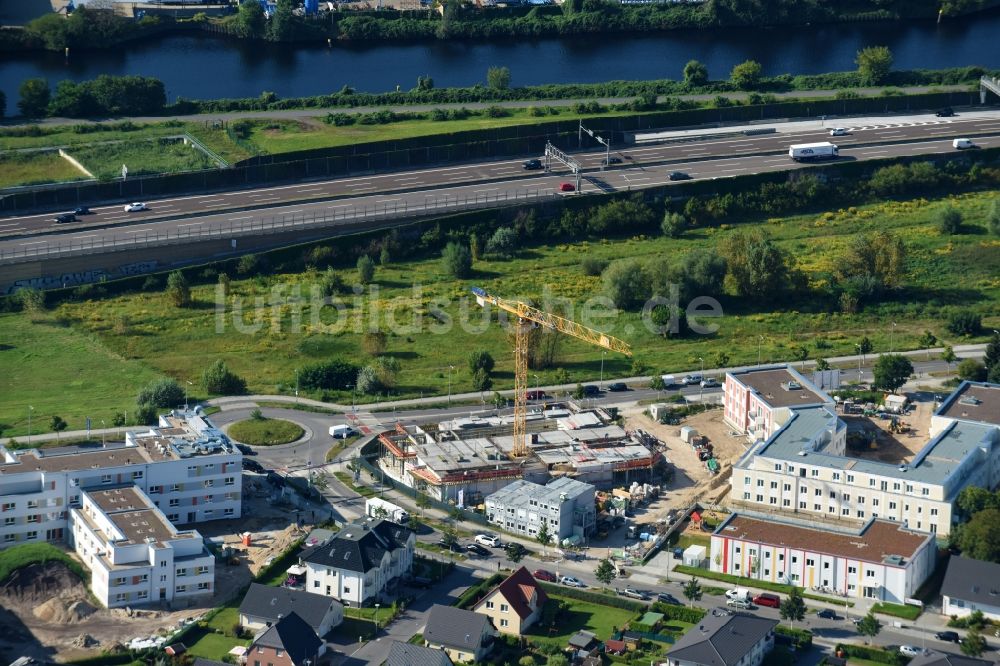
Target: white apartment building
column 186, row 466
column 758, row 402
column 565, row 505
column 801, row 470
column 882, row 561
column 134, row 554
column 358, row 563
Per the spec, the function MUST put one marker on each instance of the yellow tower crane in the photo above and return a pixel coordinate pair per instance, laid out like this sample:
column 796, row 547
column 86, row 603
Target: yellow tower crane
column 526, row 317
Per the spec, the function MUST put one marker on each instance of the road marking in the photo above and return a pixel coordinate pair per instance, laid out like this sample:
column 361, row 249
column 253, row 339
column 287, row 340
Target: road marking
column 210, row 200
column 248, row 217
column 341, row 206
column 311, row 189
column 34, row 243
column 289, row 212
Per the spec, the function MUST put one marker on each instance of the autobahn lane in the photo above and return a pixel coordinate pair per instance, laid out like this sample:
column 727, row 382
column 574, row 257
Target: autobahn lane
column 307, row 219
column 864, row 131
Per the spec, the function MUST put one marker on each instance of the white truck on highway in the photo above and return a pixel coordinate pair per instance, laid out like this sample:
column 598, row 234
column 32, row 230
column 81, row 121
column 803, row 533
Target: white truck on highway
column 807, row 152
column 379, row 508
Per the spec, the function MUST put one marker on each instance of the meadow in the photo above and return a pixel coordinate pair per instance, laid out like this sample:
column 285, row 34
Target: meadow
column 35, row 169
column 131, row 338
column 105, row 160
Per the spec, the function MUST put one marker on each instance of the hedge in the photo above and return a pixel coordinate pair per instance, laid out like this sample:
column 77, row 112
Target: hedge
column 479, row 590
column 682, row 613
column 801, row 638
column 872, row 654
column 906, row 612
column 761, row 584
column 595, row 598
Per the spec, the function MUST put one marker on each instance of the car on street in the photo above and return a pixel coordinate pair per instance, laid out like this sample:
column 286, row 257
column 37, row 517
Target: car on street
column 948, row 636
column 739, row 604
column 710, row 383
column 633, row 593
column 911, row 651
column 547, row 576
column 591, row 391
column 253, row 466
column 691, row 380
column 567, row 187
column 453, row 547
column 246, row 450
column 64, row 218
column 679, row 175
column 608, row 161
column 770, row 600
column 827, row 614
column 946, row 112
column 838, row 131
column 476, row 549
column 82, row 210
column 135, row 207
column 491, row 540
column 532, row 165
column 570, row 581
column 618, row 387
column 668, row 598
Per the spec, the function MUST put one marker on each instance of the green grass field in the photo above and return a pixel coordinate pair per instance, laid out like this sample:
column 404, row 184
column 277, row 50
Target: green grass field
column 105, row 160
column 265, row 432
column 36, row 168
column 55, row 374
column 18, row 557
column 579, row 615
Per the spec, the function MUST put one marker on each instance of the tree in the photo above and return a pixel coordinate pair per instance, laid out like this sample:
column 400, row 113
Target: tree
column 34, row 94
column 499, row 402
column 869, row 626
column 692, row 590
column 457, row 260
column 498, row 78
column 625, row 283
column 746, row 75
column 544, row 537
column 178, row 289
column 481, row 360
column 481, row 380
column 605, row 572
column 793, row 608
column 865, row 347
column 993, row 218
column 503, row 242
column 972, row 370
column 422, row 502
column 756, row 265
column 874, row 64
column 386, row 370
column 250, row 20
column 973, row 645
column 367, row 380
column 161, row 393
column 720, row 359
column 980, row 537
column 425, row 83
column 557, row 660
column 219, row 379
column 673, row 225
column 891, row 371
column 965, row 322
column 31, row 299
column 949, row 220
column 822, row 364
column 974, row 499
column 366, row 269
column 375, row 342
column 949, row 356
column 281, row 27
column 872, row 264
column 514, row 552
column 992, row 359
column 695, row 73
column 57, row 425
column 927, row 340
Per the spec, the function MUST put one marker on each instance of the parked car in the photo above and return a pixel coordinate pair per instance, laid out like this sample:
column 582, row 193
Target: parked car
column 535, row 395
column 547, row 576
column 570, row 581
column 491, row 540
column 765, row 599
column 691, row 380
column 135, row 207
column 679, row 175
column 64, row 218
column 739, row 604
column 946, row 112
column 245, row 450
column 591, row 391
column 532, row 165
column 949, row 636
column 633, row 593
column 618, row 387
column 911, row 651
column 567, row 187
column 838, row 131
column 668, row 598
column 82, row 210
column 253, row 466
column 476, row 549
column 827, row 614
column 608, row 161
column 710, row 383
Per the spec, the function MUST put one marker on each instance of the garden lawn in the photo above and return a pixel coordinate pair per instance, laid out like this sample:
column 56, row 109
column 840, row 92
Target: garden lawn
column 943, row 271
column 265, row 432
column 580, row 615
column 141, row 157
column 210, row 645
column 65, row 135
column 36, row 168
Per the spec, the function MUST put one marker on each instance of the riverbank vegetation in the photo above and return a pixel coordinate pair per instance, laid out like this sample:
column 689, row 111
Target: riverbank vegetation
column 821, row 244
column 89, row 28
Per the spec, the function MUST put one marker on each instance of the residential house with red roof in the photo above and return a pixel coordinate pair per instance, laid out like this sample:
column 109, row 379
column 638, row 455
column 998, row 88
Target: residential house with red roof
column 515, row 604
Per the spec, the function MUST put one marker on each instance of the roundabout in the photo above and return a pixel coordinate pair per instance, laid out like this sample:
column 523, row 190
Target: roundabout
column 265, row 431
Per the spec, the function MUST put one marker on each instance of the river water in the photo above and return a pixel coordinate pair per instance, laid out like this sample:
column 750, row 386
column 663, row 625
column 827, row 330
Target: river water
column 203, row 66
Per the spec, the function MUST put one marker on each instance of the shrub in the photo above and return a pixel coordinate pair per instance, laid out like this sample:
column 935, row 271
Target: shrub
column 161, row 393
column 746, row 75
column 218, row 379
column 503, row 242
column 949, row 221
column 593, row 266
column 965, row 322
column 457, row 260
column 366, row 269
column 673, row 225
column 972, row 370
column 178, row 289
column 625, row 283
column 595, row 598
column 327, row 375
column 374, row 342
column 481, row 360
column 367, row 380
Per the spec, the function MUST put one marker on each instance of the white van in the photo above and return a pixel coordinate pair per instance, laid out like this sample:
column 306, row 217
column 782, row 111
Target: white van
column 342, row 431
column 491, row 540
column 962, row 144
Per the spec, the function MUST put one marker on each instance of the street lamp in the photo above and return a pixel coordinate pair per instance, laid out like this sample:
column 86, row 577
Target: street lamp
column 104, row 434
column 892, row 331
column 30, row 409
column 536, row 386
column 186, row 384
column 451, row 369
column 296, row 384
column 860, row 356
column 760, row 342
column 603, row 354
column 701, row 384
column 376, row 618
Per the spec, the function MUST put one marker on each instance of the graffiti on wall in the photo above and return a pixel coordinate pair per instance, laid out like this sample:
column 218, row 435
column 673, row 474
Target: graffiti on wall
column 77, row 278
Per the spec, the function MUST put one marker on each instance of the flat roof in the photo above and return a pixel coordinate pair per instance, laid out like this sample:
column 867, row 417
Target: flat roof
column 772, row 385
column 130, row 510
column 973, row 401
column 878, row 541
column 33, row 460
column 521, row 491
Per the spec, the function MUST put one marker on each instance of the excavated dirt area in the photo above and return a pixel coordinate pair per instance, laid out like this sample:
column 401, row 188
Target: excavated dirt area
column 895, row 447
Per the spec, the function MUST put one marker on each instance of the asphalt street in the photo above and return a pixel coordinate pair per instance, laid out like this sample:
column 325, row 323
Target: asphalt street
column 641, row 166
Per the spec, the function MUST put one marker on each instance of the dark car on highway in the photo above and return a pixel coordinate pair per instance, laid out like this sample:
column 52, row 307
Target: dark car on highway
column 532, row 165
column 65, row 217
column 946, row 112
column 949, row 636
column 679, row 175
column 535, row 395
column 82, row 210
column 608, row 161
column 617, row 386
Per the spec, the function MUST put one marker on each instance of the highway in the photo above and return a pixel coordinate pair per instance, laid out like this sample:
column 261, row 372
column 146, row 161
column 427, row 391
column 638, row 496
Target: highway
column 350, row 201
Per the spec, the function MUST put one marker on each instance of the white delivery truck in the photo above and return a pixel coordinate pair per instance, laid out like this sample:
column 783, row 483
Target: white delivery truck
column 342, row 431
column 962, row 144
column 807, row 152
column 396, row 514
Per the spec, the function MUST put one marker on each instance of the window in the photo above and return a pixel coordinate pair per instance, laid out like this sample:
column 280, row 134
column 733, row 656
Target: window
column 892, row 506
column 121, row 596
column 204, row 585
column 925, row 492
column 736, row 567
column 746, row 482
column 137, row 474
column 176, row 488
column 31, row 536
column 229, row 512
column 874, row 501
column 774, row 485
column 746, row 496
column 278, row 652
column 802, row 505
column 504, row 623
column 32, row 504
column 934, row 512
column 781, row 557
column 909, row 488
column 760, row 483
column 155, row 490
column 738, row 550
column 895, row 487
column 815, row 472
column 182, row 572
column 777, row 467
column 818, row 492
column 788, row 487
column 174, row 501
column 315, row 583
column 142, row 594
column 786, row 502
column 850, row 478
column 120, row 580
column 836, row 476
column 9, row 521
column 105, row 478
column 230, row 480
column 810, row 562
column 832, row 509
column 34, row 518
column 504, row 608
column 861, row 514
column 180, row 589
column 795, row 559
column 163, row 579
column 817, row 507
column 760, row 498
column 773, row 500
column 869, row 573
column 209, row 483
column 803, row 490
column 845, row 511
column 9, row 506
column 852, row 570
column 8, row 538
column 489, row 605
column 826, row 565
column 833, row 494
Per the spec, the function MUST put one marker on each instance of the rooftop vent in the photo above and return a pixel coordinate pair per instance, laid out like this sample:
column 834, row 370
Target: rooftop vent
column 903, row 468
column 970, row 400
column 791, row 386
column 803, row 453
